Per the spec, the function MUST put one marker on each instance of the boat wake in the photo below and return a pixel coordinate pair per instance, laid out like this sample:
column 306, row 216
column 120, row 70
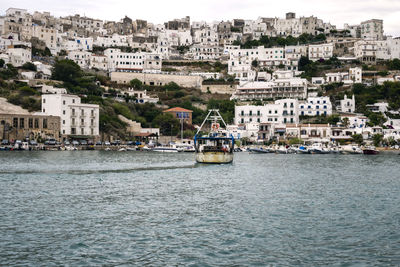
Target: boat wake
column 83, row 172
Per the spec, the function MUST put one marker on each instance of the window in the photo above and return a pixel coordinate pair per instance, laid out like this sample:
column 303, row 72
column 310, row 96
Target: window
column 63, row 112
column 242, row 120
column 73, row 101
column 15, row 122
column 63, row 121
column 30, row 123
column 21, row 123
column 63, row 102
column 82, row 131
column 44, row 100
column 44, row 123
column 36, row 123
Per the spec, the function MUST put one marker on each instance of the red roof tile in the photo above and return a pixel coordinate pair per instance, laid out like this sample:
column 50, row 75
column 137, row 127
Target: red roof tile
column 177, row 109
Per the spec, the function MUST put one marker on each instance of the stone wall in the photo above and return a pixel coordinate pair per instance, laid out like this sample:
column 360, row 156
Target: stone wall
column 157, row 79
column 219, row 88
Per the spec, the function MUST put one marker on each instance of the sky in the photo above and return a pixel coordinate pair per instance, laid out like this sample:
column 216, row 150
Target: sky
column 336, row 12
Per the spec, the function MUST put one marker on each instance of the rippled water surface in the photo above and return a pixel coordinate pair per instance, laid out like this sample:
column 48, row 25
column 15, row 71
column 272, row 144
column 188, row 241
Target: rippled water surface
column 85, row 208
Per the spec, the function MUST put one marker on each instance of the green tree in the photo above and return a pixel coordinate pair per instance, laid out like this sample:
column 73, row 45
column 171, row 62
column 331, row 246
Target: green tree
column 377, row 139
column 67, row 71
column 136, row 84
column 172, row 86
column 358, row 138
column 1, row 63
column 303, row 62
column 167, row 123
column 376, row 118
column 29, row 66
column 295, row 141
column 254, row 63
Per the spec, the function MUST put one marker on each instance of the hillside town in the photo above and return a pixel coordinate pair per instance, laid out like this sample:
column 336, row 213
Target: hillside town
column 283, row 79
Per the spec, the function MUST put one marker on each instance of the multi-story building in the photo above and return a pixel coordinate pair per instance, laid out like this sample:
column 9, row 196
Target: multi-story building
column 277, row 88
column 139, row 61
column 18, row 56
column 82, row 58
column 281, row 111
column 365, row 51
column 316, row 106
column 203, row 52
column 320, row 51
column 76, row 119
column 372, row 29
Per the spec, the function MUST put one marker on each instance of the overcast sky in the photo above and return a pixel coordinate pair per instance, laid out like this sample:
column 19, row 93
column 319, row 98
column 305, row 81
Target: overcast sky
column 337, row 12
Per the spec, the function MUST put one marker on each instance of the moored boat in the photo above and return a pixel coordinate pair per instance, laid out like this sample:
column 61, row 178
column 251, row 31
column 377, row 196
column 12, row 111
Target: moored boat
column 218, row 145
column 370, row 150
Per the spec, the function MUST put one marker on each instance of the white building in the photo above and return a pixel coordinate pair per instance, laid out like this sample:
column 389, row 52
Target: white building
column 316, row 106
column 280, row 112
column 347, row 105
column 82, row 58
column 76, row 118
column 139, row 61
column 320, row 51
column 19, row 56
column 372, row 29
column 276, row 88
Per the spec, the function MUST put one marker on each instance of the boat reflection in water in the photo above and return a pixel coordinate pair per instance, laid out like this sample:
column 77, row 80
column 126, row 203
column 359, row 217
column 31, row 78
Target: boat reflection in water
column 217, row 146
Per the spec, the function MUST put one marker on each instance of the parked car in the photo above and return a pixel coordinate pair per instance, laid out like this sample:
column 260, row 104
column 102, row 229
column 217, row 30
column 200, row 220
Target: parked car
column 130, row 143
column 90, row 143
column 98, row 143
column 106, row 143
column 67, row 143
column 83, row 142
column 51, row 142
column 116, row 142
column 33, row 143
column 5, row 142
column 75, row 143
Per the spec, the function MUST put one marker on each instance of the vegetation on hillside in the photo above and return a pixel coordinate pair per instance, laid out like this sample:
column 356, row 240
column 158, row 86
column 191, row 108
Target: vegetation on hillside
column 268, row 42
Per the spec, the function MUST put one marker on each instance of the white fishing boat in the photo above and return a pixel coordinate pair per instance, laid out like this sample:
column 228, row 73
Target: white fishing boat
column 217, row 146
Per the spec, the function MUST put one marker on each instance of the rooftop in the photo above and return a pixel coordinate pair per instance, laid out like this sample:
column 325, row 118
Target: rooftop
column 177, row 109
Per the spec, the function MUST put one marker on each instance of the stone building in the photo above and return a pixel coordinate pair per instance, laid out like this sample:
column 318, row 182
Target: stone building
column 22, row 126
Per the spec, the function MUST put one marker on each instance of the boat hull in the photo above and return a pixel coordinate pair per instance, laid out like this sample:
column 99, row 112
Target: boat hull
column 214, row 157
column 370, row 152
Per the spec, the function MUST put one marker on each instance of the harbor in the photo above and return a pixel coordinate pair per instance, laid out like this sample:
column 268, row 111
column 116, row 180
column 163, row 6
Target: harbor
column 136, row 208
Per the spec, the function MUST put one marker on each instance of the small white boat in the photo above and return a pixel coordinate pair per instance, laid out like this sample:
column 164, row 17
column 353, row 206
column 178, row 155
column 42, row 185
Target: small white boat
column 303, row 150
column 351, row 149
column 281, row 150
column 165, row 149
column 318, row 148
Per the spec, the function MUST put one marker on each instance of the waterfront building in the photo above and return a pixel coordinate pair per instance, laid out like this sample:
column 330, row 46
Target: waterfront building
column 76, row 119
column 29, row 126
